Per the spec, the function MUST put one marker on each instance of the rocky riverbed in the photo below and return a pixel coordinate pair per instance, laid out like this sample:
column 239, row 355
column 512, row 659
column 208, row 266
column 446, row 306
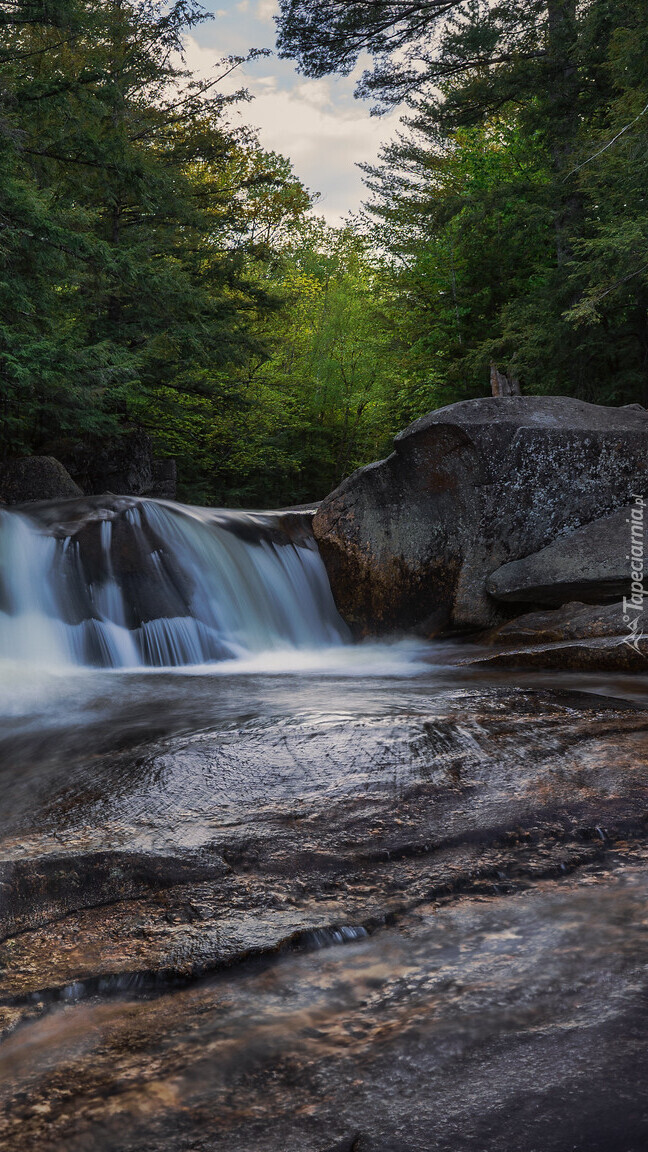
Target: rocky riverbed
column 325, row 912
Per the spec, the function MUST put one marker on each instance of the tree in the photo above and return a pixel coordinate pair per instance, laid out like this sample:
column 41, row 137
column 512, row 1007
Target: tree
column 508, row 241
column 296, row 420
column 424, row 45
column 104, row 139
column 468, row 229
column 162, row 268
column 610, row 260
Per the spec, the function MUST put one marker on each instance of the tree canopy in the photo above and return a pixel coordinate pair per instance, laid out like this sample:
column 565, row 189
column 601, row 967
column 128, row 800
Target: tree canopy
column 511, row 205
column 160, row 269
column 420, row 46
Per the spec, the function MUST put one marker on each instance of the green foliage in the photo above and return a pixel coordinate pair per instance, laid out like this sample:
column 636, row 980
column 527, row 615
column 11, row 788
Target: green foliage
column 123, row 243
column 418, row 47
column 159, row 267
column 289, row 423
column 513, row 207
column 162, row 268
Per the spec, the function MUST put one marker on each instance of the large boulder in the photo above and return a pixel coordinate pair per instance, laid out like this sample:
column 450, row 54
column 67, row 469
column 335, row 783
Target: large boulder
column 33, row 478
column 123, row 465
column 614, row 654
column 409, row 542
column 591, row 564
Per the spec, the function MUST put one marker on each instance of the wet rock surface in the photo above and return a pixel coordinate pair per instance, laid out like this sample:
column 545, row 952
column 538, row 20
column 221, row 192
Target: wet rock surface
column 575, row 636
column 76, row 517
column 318, row 915
column 573, row 621
column 616, row 654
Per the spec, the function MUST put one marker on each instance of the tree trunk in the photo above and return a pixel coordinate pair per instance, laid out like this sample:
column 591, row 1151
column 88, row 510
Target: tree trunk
column 502, row 385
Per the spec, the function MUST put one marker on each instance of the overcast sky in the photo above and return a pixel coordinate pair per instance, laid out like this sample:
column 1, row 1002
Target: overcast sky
column 315, row 123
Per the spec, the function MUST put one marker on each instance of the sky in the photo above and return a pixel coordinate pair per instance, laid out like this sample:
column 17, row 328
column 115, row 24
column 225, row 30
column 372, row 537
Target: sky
column 317, row 124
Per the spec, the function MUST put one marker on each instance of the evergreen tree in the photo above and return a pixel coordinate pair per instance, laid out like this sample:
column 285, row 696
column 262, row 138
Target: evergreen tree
column 128, row 268
column 518, row 231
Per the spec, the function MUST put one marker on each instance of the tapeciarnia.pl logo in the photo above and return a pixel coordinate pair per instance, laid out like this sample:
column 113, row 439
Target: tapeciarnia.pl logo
column 633, row 606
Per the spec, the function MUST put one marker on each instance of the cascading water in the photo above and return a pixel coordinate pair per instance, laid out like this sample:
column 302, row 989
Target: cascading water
column 120, row 583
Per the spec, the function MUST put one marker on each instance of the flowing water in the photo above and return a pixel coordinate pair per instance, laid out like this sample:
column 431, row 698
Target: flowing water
column 159, row 585
column 198, row 766
column 124, row 620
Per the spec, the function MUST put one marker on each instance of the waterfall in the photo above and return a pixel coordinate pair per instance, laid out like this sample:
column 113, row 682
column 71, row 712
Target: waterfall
column 117, row 582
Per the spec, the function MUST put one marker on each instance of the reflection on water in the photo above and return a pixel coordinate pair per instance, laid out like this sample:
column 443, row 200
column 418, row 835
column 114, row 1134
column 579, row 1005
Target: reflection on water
column 60, row 728
column 172, row 760
column 229, row 727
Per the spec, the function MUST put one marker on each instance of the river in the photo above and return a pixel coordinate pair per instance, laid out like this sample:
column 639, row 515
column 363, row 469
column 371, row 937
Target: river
column 262, row 887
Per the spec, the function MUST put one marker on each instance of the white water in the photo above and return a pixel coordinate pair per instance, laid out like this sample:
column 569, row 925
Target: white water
column 159, row 585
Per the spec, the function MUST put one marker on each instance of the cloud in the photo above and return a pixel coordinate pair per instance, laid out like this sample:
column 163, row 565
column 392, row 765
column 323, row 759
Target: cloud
column 324, row 145
column 267, row 10
column 315, row 123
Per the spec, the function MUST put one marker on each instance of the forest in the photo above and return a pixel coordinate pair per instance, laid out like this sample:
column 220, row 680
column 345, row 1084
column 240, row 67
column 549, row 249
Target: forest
column 161, row 270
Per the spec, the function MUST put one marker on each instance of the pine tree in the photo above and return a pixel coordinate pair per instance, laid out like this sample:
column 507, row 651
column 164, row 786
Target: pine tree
column 515, row 240
column 122, row 275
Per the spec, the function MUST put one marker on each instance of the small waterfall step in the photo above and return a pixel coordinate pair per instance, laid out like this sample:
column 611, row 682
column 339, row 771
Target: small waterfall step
column 119, row 582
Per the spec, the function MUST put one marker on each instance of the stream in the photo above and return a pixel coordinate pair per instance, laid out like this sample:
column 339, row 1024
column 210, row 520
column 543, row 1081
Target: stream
column 263, row 887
